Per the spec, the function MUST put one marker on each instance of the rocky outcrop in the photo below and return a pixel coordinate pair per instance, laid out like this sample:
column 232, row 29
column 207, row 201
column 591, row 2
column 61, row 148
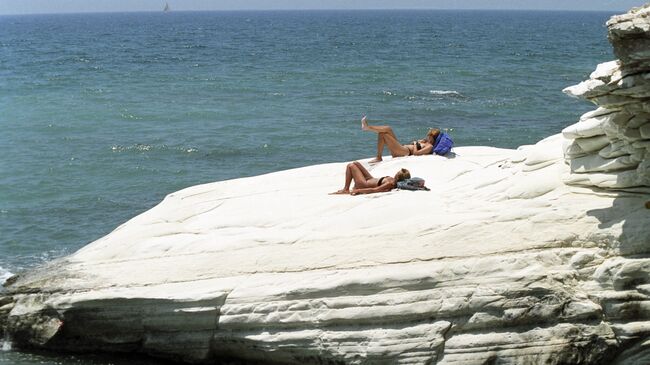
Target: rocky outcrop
column 501, row 262
column 610, row 146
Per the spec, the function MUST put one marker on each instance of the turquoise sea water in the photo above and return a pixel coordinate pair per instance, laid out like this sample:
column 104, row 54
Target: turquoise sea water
column 102, row 115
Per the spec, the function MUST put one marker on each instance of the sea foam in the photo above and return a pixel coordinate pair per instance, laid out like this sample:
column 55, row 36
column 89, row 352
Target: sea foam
column 4, row 275
column 5, row 345
column 446, row 93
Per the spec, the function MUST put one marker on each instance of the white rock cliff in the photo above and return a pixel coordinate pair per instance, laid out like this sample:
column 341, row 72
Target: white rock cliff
column 610, row 146
column 528, row 256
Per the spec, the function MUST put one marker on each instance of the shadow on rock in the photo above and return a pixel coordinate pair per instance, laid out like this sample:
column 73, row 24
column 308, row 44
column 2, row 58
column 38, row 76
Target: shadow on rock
column 628, row 211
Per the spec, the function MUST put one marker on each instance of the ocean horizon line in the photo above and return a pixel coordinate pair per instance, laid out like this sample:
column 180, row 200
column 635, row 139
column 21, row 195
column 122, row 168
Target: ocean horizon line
column 318, row 10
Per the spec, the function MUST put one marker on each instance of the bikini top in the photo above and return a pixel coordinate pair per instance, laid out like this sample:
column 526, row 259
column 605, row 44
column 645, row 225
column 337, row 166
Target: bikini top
column 381, row 179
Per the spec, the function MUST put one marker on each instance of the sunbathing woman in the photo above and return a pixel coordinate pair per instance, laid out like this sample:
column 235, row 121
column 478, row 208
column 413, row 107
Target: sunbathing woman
column 365, row 183
column 386, row 137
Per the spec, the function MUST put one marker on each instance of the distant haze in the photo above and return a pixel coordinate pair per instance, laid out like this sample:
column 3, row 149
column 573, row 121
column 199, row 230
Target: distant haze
column 77, row 6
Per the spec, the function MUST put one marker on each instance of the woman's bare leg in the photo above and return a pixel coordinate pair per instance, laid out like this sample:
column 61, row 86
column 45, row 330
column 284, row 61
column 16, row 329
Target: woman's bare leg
column 348, row 181
column 360, row 175
column 385, row 137
column 364, row 123
column 380, row 148
column 376, row 128
column 355, row 171
column 366, row 174
column 395, row 148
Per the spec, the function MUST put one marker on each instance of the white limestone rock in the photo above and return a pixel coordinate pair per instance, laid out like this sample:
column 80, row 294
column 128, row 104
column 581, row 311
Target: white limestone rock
column 572, row 149
column 635, row 86
column 644, row 131
column 589, row 127
column 622, row 90
column 616, row 148
column 588, row 89
column 592, row 144
column 605, row 71
column 595, row 163
column 501, row 262
column 618, row 180
column 629, row 35
column 640, row 118
column 518, row 256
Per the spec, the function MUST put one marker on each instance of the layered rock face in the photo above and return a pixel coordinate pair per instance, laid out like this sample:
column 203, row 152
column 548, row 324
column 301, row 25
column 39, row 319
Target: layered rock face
column 610, row 146
column 500, row 263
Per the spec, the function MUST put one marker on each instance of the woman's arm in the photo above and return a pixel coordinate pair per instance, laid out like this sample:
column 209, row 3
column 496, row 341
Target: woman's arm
column 425, row 150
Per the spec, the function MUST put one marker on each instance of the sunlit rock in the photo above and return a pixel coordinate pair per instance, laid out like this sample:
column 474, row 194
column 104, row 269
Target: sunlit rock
column 526, row 256
column 621, row 89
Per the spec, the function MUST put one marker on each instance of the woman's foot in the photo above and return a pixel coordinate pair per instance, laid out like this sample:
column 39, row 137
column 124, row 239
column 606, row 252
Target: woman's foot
column 340, row 192
column 376, row 160
column 364, row 124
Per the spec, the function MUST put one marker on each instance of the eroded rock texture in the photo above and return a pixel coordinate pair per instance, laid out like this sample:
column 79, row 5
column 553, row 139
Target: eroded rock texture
column 500, row 263
column 609, row 147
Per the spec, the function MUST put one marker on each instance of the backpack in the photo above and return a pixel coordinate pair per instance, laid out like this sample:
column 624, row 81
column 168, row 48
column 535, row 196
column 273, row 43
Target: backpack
column 414, row 183
column 443, row 144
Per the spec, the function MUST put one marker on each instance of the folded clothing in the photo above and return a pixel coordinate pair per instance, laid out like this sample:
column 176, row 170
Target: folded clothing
column 414, row 183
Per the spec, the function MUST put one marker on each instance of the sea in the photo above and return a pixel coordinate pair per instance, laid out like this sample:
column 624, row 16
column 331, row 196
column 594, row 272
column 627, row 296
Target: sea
column 102, row 115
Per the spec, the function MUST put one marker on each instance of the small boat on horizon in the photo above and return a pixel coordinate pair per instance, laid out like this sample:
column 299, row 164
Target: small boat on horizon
column 166, row 9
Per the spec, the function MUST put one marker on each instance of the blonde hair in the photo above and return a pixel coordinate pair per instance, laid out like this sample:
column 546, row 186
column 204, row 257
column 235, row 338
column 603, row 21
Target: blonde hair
column 402, row 174
column 433, row 133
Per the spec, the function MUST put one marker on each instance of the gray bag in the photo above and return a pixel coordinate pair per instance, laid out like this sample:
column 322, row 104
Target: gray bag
column 414, row 183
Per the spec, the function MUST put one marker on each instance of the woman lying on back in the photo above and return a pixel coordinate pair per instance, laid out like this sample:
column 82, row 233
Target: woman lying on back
column 386, row 137
column 365, row 183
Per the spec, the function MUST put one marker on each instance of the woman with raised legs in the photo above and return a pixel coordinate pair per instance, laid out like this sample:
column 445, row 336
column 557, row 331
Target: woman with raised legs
column 386, row 137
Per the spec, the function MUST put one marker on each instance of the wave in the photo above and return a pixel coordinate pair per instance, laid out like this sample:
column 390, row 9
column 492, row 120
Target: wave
column 139, row 147
column 5, row 344
column 4, row 275
column 452, row 93
column 432, row 95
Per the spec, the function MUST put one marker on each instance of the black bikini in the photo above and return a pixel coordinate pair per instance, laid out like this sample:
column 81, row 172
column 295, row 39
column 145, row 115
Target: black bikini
column 380, row 180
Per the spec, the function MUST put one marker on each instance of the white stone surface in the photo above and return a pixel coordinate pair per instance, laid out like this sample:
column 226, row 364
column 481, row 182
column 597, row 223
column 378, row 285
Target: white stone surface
column 500, row 260
column 615, row 136
column 585, row 128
